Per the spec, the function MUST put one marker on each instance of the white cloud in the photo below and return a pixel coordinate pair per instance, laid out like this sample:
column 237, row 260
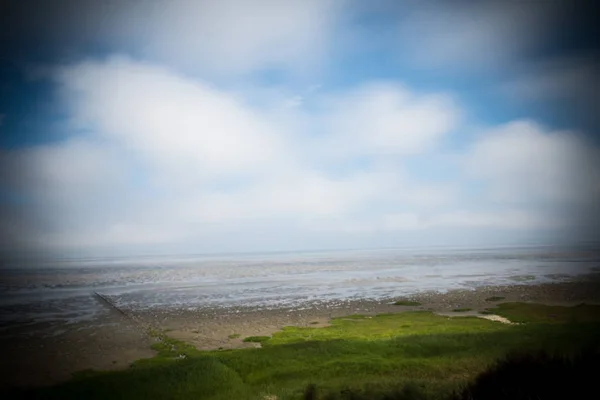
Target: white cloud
column 233, row 36
column 220, row 38
column 159, row 156
column 388, row 118
column 166, row 155
column 521, row 162
column 170, row 160
column 178, row 125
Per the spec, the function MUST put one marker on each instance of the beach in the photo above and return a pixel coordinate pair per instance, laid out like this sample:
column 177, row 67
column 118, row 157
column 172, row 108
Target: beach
column 210, row 329
column 49, row 353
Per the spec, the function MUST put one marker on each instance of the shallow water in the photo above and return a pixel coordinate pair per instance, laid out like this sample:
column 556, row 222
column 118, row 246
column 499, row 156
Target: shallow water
column 62, row 290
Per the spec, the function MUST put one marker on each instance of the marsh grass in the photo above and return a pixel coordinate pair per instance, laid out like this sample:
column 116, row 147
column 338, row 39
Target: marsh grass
column 539, row 313
column 495, row 298
column 356, row 357
column 256, row 339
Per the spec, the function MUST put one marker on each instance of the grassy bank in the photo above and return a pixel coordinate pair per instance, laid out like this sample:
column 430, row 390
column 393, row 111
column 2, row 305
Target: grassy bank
column 416, row 353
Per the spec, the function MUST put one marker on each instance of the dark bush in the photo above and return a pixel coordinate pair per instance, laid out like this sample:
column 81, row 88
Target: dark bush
column 539, row 376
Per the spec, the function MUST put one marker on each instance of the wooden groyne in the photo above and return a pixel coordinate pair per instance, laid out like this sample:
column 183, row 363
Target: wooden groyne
column 111, row 304
column 105, row 300
column 146, row 329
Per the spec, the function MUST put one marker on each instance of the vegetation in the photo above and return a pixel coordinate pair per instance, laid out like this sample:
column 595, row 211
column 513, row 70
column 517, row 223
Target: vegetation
column 495, row 298
column 462, row 309
column 407, row 303
column 538, row 375
column 539, row 313
column 257, row 339
column 412, row 355
column 234, row 336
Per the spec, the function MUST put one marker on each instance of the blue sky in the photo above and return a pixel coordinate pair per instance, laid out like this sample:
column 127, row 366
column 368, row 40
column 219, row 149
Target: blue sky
column 278, row 125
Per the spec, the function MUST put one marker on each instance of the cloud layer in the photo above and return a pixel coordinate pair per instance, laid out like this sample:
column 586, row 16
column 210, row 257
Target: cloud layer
column 159, row 158
column 252, row 125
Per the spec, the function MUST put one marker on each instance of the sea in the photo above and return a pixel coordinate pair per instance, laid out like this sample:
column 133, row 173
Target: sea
column 62, row 290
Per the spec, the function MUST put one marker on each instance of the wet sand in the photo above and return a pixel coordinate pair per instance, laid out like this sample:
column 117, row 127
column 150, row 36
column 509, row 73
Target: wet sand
column 47, row 353
column 44, row 354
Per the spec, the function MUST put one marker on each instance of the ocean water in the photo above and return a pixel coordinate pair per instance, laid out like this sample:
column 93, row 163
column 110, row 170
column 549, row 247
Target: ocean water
column 62, row 290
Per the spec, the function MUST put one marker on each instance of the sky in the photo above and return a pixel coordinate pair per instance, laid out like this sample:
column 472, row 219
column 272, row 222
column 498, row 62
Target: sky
column 131, row 127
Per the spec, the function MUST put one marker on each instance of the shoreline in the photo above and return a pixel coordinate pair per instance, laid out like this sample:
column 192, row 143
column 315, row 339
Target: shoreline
column 114, row 341
column 209, row 329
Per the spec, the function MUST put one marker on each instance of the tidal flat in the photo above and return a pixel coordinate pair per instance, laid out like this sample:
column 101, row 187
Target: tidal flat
column 372, row 347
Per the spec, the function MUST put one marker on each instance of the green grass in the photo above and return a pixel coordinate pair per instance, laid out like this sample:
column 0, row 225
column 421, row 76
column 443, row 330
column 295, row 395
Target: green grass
column 256, row 339
column 407, row 303
column 234, row 336
column 495, row 298
column 368, row 355
column 462, row 309
column 538, row 313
